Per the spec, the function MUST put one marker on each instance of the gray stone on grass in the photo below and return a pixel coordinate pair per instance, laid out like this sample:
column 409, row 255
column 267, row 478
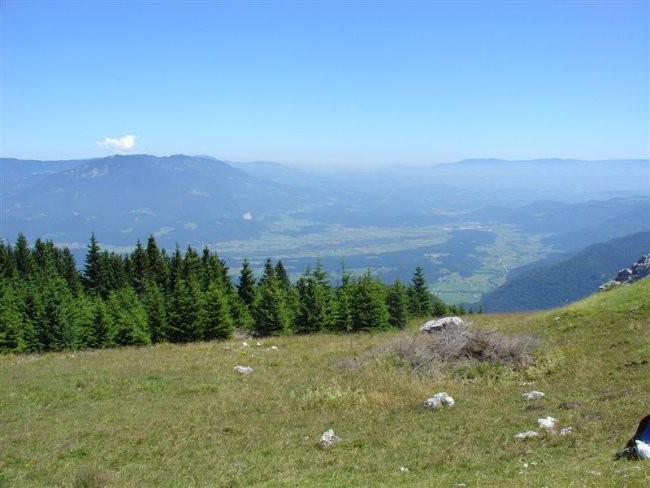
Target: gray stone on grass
column 437, row 325
column 439, row 400
column 243, row 369
column 328, row 438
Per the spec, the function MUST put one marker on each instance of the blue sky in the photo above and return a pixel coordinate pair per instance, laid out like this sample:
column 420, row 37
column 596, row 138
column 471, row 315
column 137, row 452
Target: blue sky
column 326, row 83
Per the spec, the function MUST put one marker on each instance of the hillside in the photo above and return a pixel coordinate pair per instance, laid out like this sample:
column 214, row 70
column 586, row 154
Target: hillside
column 179, row 415
column 569, row 280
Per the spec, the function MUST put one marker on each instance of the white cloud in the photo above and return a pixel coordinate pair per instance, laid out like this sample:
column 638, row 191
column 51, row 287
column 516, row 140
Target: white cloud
column 124, row 143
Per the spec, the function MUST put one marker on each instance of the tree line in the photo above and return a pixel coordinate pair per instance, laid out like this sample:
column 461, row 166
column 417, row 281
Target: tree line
column 149, row 296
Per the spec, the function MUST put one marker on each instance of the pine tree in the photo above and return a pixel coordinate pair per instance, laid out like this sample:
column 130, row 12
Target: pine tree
column 33, row 313
column 369, row 310
column 439, row 308
column 420, row 304
column 92, row 272
column 68, row 270
column 129, row 318
column 58, row 329
column 101, row 330
column 246, row 287
column 343, row 303
column 7, row 260
column 157, row 264
column 154, row 304
column 216, row 322
column 315, row 304
column 270, row 313
column 183, row 307
column 397, row 302
column 10, row 320
column 139, row 269
column 268, row 273
column 23, row 257
column 282, row 276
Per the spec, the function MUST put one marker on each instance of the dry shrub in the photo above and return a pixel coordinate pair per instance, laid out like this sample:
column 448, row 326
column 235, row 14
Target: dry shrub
column 457, row 344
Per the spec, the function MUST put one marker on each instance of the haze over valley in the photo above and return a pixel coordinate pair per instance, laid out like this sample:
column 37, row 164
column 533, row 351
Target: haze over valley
column 468, row 224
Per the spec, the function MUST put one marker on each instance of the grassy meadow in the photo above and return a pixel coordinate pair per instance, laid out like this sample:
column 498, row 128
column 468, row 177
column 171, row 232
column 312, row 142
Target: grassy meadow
column 177, row 415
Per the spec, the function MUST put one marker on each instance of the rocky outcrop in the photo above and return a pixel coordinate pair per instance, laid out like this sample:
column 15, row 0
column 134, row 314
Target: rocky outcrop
column 636, row 272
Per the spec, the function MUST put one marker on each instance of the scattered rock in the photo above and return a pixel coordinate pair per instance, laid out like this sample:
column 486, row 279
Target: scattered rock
column 566, row 431
column 547, row 423
column 243, row 369
column 533, row 395
column 438, row 400
column 404, row 469
column 244, row 344
column 526, row 435
column 437, row 325
column 327, row 439
column 274, row 348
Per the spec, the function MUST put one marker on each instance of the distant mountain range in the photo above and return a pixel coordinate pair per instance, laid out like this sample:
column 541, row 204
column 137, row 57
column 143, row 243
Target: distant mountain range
column 192, row 199
column 468, row 219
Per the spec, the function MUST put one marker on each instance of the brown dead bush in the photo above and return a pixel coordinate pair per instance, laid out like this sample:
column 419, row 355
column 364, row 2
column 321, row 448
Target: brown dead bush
column 457, row 344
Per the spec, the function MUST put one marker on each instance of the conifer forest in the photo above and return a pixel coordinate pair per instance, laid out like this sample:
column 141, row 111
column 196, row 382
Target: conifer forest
column 151, row 296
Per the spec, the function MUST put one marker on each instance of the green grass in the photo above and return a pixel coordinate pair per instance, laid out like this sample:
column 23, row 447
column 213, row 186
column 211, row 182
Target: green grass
column 179, row 416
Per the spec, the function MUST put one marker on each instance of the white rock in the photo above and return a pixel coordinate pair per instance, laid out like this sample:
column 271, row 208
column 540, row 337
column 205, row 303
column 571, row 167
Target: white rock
column 404, row 469
column 526, row 435
column 566, row 431
column 274, row 348
column 547, row 423
column 328, row 438
column 532, row 395
column 437, row 325
column 244, row 344
column 258, row 344
column 438, row 400
column 243, row 369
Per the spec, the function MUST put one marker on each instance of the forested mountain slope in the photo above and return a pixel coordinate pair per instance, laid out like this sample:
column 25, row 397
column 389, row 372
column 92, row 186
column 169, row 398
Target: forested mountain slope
column 568, row 280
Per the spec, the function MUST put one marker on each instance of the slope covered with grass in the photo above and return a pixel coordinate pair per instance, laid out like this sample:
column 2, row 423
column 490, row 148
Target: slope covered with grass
column 179, row 416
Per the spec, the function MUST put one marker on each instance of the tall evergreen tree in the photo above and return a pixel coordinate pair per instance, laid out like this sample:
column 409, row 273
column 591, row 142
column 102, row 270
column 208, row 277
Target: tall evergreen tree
column 270, row 313
column 184, row 305
column 420, row 304
column 343, row 302
column 92, row 271
column 139, row 269
column 316, row 308
column 7, row 260
column 282, row 276
column 58, row 330
column 154, row 304
column 157, row 263
column 369, row 310
column 101, row 331
column 246, row 287
column 129, row 318
column 397, row 302
column 268, row 274
column 10, row 320
column 23, row 257
column 216, row 322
